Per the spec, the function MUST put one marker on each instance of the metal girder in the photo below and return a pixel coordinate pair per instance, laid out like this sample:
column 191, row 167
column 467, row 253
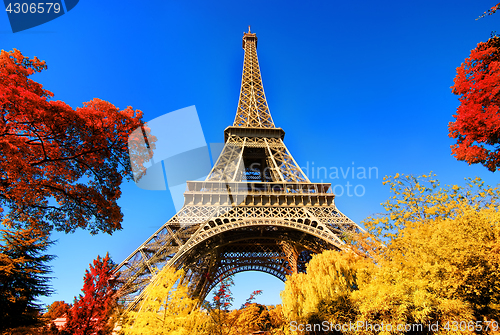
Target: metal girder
column 256, row 210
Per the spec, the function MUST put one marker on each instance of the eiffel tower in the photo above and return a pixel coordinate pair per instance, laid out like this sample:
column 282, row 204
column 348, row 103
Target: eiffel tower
column 255, row 211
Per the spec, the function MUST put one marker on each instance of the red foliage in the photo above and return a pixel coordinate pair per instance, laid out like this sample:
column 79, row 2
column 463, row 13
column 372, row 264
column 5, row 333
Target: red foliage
column 60, row 165
column 490, row 11
column 223, row 298
column 250, row 299
column 90, row 313
column 477, row 124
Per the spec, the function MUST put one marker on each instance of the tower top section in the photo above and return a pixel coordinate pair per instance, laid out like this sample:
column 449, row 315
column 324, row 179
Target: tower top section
column 252, row 111
column 249, row 36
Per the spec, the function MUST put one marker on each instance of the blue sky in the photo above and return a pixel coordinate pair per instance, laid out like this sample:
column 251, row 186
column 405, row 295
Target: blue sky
column 353, row 84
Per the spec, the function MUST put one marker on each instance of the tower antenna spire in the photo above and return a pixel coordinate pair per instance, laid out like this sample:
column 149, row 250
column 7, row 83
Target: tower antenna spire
column 253, row 110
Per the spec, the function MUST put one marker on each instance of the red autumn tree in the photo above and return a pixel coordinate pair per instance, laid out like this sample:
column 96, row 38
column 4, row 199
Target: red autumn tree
column 223, row 320
column 91, row 311
column 490, row 11
column 218, row 309
column 61, row 166
column 477, row 121
column 251, row 298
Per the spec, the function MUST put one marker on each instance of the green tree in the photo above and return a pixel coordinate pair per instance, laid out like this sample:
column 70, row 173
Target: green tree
column 23, row 275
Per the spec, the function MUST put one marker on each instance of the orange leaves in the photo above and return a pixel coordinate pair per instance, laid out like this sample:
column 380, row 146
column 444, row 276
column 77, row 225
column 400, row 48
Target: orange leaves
column 490, row 11
column 477, row 121
column 60, row 165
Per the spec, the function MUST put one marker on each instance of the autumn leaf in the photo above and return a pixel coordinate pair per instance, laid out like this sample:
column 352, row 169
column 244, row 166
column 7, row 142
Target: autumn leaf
column 91, row 310
column 60, row 165
column 477, row 121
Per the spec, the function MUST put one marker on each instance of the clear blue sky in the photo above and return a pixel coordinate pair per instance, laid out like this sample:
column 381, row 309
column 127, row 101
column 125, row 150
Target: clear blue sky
column 363, row 84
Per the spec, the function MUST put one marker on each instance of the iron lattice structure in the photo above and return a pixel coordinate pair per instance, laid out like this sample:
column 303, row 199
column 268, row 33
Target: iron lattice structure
column 256, row 210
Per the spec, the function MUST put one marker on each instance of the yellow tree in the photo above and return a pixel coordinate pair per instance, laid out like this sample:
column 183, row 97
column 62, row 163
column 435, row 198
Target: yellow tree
column 279, row 324
column 166, row 308
column 441, row 264
column 422, row 199
column 56, row 310
column 253, row 317
column 324, row 293
column 246, row 320
column 250, row 318
column 439, row 271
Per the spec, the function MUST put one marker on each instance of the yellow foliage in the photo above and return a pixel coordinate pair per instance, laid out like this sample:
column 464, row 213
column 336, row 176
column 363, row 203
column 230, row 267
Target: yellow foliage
column 279, row 325
column 440, row 270
column 256, row 317
column 166, row 308
column 324, row 293
column 252, row 318
column 249, row 319
column 421, row 198
column 440, row 264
